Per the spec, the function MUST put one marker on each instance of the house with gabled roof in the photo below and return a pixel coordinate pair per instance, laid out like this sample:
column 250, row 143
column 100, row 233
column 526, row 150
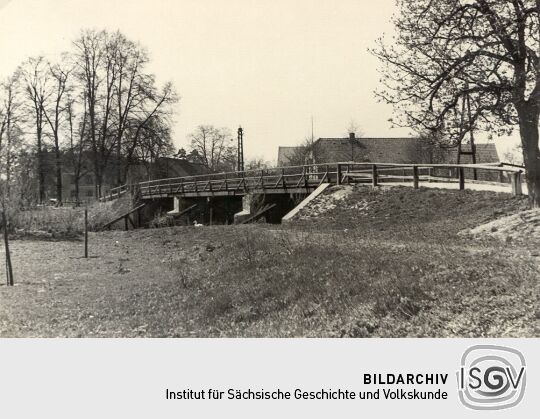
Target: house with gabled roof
column 384, row 150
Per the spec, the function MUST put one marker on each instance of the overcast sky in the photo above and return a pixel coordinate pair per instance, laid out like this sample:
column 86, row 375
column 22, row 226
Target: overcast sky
column 268, row 65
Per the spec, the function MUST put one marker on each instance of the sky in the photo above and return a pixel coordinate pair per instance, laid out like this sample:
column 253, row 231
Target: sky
column 267, row 65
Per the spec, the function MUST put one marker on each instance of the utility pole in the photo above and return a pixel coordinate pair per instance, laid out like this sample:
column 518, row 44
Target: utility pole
column 240, row 163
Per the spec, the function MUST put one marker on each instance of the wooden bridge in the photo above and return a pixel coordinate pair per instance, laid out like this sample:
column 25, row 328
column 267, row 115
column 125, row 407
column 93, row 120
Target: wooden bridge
column 305, row 179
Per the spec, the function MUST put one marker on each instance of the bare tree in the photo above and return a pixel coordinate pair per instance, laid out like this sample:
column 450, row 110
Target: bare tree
column 483, row 51
column 10, row 131
column 78, row 143
column 149, row 126
column 53, row 113
column 429, row 148
column 35, row 77
column 257, row 163
column 514, row 156
column 301, row 154
column 154, row 141
column 353, row 128
column 91, row 56
column 125, row 109
column 131, row 86
column 213, row 147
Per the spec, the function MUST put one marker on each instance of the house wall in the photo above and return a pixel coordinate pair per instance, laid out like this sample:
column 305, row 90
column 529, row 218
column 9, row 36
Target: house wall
column 86, row 187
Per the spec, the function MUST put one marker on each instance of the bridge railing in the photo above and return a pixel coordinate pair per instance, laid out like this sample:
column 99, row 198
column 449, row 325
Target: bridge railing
column 273, row 178
column 117, row 192
column 309, row 176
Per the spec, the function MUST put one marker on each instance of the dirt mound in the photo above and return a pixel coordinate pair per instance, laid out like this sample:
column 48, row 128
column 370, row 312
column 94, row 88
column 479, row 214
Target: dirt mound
column 523, row 225
column 405, row 212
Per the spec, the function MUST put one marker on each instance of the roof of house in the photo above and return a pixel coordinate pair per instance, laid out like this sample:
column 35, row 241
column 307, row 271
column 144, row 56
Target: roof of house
column 485, row 153
column 383, row 150
column 387, row 150
column 174, row 167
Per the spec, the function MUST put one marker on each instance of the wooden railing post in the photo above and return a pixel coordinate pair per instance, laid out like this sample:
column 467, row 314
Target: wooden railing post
column 415, row 177
column 516, row 184
column 374, row 176
column 461, row 173
column 338, row 174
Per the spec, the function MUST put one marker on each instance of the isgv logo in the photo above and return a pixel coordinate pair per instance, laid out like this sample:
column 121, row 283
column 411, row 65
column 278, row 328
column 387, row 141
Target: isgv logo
column 491, row 377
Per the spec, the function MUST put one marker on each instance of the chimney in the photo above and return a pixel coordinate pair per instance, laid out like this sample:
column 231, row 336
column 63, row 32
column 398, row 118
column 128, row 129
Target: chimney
column 351, row 136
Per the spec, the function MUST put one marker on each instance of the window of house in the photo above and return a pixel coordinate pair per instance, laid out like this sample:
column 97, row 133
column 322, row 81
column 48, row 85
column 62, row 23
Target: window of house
column 89, row 193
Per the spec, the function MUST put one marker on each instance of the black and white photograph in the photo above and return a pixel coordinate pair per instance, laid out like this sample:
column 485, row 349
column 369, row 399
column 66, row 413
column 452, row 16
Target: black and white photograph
column 265, row 208
column 270, row 169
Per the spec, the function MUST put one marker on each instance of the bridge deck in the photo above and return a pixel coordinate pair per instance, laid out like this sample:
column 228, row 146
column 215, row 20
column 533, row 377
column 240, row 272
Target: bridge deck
column 304, row 179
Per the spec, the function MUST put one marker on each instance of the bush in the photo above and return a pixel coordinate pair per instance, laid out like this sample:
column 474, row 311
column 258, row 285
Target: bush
column 161, row 219
column 64, row 222
column 47, row 222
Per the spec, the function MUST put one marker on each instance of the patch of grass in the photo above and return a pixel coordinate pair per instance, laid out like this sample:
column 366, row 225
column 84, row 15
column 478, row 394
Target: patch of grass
column 392, row 268
column 64, row 222
column 402, row 212
column 47, row 222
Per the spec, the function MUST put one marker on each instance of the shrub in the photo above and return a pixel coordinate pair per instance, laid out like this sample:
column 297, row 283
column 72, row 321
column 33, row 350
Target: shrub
column 47, row 222
column 64, row 222
column 161, row 219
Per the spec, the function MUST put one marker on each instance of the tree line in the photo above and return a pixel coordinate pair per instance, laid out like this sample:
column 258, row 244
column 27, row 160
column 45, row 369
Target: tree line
column 96, row 110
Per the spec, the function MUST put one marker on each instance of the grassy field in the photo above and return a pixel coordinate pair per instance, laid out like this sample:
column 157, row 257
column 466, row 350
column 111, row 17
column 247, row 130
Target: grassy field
column 382, row 263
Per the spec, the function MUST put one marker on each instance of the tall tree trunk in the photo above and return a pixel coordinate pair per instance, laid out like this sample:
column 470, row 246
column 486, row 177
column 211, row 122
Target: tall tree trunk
column 119, row 160
column 528, row 124
column 77, row 198
column 58, row 173
column 8, row 159
column 41, row 173
column 98, row 183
